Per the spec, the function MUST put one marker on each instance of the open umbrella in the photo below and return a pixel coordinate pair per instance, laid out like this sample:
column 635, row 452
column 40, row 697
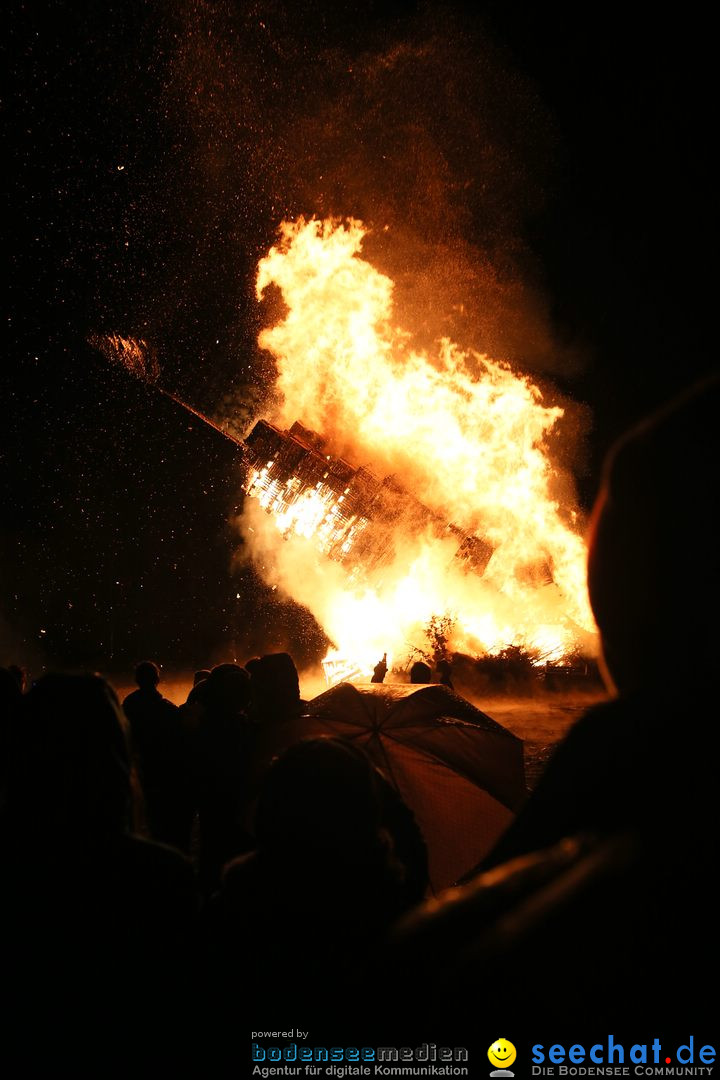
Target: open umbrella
column 459, row 771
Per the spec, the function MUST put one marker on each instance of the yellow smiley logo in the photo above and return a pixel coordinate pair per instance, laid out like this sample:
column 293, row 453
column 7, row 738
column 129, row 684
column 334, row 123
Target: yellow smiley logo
column 502, row 1053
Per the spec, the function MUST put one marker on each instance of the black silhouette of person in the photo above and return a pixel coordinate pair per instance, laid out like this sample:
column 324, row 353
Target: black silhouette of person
column 338, row 858
column 611, row 864
column 100, row 943
column 380, row 670
column 164, row 759
column 420, row 672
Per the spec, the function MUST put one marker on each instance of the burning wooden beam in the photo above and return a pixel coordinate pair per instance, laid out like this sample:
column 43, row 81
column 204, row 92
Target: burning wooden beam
column 351, row 515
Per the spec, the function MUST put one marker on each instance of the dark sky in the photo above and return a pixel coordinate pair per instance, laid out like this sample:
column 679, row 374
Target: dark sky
column 551, row 167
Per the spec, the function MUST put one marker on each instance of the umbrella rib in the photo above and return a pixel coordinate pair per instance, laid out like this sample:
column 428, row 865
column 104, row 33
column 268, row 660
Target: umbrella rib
column 376, row 735
column 421, row 749
column 434, row 757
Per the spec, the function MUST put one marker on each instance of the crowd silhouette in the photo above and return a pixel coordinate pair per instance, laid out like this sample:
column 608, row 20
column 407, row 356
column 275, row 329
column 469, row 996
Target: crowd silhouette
column 170, row 869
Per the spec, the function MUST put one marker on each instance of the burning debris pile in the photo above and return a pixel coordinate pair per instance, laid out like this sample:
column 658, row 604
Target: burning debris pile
column 350, row 515
column 466, row 523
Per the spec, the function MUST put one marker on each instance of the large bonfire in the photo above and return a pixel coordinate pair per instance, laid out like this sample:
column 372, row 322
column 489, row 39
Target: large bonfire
column 462, row 436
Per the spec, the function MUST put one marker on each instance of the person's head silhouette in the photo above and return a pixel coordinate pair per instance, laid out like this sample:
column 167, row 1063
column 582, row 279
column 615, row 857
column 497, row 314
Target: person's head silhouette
column 420, row 672
column 654, row 557
column 147, row 675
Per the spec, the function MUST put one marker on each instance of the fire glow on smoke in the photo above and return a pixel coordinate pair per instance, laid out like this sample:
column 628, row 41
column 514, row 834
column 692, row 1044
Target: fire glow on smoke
column 463, row 434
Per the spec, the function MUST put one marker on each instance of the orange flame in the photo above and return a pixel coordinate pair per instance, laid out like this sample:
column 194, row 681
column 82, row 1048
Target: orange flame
column 464, row 433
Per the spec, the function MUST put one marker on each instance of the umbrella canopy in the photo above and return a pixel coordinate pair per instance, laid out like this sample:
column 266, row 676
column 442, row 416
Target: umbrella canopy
column 459, row 771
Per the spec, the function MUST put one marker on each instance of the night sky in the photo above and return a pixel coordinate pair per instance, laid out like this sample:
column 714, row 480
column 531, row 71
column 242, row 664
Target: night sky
column 541, row 186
